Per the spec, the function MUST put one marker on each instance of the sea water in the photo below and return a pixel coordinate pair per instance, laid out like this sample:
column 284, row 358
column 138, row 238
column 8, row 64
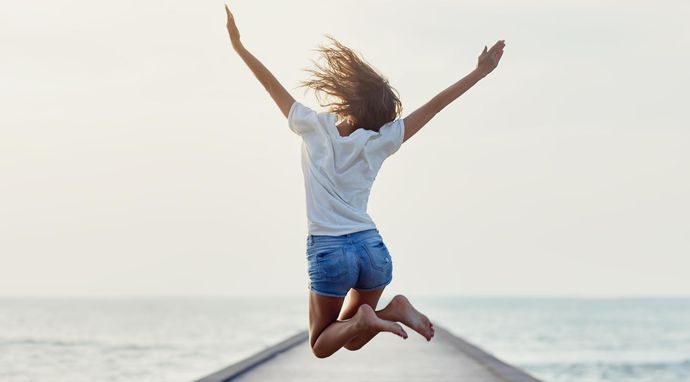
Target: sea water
column 181, row 339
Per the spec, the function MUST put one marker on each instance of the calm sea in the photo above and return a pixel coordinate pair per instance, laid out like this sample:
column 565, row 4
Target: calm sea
column 180, row 339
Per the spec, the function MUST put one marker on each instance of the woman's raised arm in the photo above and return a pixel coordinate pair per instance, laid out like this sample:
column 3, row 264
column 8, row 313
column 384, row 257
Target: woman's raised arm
column 487, row 62
column 281, row 96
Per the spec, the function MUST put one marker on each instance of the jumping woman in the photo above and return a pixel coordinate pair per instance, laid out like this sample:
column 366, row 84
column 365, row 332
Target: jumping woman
column 342, row 151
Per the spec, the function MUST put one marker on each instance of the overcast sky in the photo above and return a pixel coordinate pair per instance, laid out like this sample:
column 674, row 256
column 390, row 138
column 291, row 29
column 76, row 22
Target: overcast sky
column 139, row 156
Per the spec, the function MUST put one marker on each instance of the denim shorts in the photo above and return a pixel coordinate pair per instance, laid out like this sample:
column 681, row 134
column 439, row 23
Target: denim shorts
column 358, row 260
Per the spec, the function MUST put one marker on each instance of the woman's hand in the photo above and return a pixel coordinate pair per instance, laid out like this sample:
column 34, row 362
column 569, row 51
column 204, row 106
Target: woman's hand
column 281, row 97
column 232, row 29
column 488, row 59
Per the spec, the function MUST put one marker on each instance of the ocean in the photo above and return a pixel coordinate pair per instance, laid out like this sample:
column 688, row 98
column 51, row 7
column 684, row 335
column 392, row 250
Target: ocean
column 181, row 339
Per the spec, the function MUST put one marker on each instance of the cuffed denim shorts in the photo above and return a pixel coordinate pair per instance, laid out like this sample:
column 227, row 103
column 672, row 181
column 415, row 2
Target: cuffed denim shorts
column 358, row 260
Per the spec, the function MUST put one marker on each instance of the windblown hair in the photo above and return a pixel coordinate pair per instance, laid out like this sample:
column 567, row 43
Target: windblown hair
column 352, row 89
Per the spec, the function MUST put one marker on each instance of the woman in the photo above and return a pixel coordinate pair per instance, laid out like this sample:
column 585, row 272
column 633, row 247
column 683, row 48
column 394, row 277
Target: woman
column 342, row 151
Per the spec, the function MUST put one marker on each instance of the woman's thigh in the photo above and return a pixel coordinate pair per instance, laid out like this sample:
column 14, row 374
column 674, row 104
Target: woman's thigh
column 356, row 298
column 323, row 311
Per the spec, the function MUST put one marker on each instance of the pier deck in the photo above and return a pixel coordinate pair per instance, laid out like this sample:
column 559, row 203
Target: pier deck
column 386, row 358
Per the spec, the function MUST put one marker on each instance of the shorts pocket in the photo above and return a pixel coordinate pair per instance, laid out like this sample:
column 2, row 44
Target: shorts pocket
column 330, row 262
column 378, row 254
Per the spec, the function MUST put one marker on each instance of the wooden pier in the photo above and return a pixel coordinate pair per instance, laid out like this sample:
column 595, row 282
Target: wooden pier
column 385, row 358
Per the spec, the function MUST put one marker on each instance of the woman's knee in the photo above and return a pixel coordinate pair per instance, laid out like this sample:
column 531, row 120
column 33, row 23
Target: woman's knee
column 352, row 346
column 318, row 352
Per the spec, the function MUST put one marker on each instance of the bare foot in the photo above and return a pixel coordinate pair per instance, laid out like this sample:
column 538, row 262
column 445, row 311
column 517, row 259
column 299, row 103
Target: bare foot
column 402, row 310
column 369, row 321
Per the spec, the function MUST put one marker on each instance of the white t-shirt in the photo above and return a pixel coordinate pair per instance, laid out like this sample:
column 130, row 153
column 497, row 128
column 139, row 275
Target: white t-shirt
column 339, row 171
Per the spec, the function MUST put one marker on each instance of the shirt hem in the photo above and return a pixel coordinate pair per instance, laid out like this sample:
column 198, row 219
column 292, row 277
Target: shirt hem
column 340, row 230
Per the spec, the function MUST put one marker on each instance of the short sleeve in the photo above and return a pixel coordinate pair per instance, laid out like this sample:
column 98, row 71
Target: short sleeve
column 302, row 119
column 392, row 135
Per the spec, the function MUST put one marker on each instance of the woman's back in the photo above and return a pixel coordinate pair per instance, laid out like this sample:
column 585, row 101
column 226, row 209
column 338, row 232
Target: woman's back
column 339, row 171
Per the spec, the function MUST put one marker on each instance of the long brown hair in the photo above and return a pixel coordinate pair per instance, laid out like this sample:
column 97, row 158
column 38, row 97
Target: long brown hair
column 352, row 88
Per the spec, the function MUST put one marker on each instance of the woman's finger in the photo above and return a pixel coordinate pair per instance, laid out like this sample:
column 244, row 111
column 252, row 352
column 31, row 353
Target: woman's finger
column 495, row 47
column 483, row 53
column 227, row 11
column 498, row 56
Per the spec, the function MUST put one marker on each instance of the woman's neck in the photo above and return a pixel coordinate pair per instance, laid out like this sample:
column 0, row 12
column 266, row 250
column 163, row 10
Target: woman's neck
column 345, row 129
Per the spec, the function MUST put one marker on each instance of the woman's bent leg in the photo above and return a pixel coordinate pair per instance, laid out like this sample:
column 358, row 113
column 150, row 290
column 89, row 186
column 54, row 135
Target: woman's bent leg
column 327, row 334
column 352, row 302
column 398, row 309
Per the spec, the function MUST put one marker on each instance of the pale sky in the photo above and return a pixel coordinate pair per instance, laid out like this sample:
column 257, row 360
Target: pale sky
column 139, row 156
